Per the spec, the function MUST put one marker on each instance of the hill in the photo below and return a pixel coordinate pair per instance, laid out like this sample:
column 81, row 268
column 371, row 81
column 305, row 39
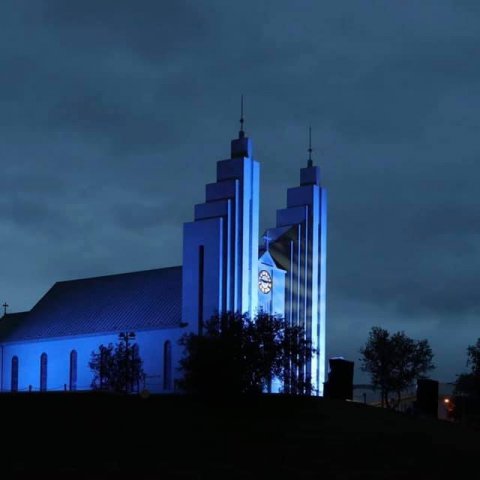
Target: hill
column 85, row 435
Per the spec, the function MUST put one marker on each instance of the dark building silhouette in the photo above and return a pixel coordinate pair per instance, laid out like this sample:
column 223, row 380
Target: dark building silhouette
column 340, row 379
column 427, row 397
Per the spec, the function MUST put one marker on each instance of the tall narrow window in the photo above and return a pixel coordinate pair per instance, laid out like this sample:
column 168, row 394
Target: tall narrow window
column 73, row 370
column 14, row 386
column 167, row 366
column 201, row 279
column 43, row 372
column 135, row 362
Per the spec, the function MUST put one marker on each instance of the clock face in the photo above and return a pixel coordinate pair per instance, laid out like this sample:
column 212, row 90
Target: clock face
column 264, row 281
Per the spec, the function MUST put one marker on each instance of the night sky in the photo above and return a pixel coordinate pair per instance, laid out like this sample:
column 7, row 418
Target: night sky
column 113, row 114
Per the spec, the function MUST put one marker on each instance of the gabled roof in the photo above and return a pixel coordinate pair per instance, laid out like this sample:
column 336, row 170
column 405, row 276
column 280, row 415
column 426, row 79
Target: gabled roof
column 10, row 322
column 267, row 259
column 275, row 233
column 279, row 244
column 143, row 300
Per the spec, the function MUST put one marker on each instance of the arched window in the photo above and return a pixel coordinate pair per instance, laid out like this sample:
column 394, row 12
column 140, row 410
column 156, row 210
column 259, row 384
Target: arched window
column 167, row 365
column 14, row 385
column 73, row 370
column 43, row 372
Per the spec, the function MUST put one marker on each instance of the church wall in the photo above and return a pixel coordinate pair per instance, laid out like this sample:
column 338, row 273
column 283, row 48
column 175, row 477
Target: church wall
column 254, row 220
column 322, row 359
column 202, row 278
column 151, row 345
column 278, row 293
column 291, row 216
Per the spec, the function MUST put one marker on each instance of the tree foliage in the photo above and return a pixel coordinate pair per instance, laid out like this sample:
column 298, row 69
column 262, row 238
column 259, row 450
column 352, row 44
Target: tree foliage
column 469, row 383
column 394, row 362
column 473, row 354
column 236, row 354
column 117, row 368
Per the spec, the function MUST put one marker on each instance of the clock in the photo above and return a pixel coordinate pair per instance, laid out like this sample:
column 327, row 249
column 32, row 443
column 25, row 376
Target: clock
column 264, row 281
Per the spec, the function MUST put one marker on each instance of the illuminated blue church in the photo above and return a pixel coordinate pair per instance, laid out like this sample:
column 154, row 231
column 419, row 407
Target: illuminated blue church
column 224, row 269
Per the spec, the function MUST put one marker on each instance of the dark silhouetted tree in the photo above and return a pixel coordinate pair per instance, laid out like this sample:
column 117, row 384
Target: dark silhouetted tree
column 394, row 362
column 117, row 368
column 236, row 354
column 469, row 383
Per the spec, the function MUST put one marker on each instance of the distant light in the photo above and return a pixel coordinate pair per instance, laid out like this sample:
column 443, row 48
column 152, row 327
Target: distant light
column 446, row 400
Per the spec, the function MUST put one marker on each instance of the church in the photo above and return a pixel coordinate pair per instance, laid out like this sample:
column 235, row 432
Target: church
column 224, row 269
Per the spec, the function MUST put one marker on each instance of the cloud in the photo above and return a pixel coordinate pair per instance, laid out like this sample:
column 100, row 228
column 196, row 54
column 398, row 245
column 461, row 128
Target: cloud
column 113, row 114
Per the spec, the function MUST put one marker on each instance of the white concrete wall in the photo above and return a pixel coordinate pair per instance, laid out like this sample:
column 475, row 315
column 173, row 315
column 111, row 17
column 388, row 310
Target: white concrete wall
column 151, row 344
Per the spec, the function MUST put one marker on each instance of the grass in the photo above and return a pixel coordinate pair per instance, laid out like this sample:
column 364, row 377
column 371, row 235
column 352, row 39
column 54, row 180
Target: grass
column 87, row 435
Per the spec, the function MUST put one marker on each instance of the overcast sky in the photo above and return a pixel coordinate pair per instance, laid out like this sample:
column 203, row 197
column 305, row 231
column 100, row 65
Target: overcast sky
column 113, row 114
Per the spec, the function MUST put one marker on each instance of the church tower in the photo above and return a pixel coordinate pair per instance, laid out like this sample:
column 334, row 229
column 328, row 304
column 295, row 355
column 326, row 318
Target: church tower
column 298, row 245
column 220, row 247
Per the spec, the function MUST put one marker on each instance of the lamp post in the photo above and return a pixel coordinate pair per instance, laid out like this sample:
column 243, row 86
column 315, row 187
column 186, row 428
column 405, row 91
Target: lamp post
column 126, row 337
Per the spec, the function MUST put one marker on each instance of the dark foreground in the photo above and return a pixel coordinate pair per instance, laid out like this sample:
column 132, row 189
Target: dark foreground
column 102, row 436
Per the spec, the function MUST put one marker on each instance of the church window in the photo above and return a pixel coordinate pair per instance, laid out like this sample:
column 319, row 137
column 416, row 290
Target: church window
column 167, row 365
column 43, row 372
column 73, row 370
column 14, row 386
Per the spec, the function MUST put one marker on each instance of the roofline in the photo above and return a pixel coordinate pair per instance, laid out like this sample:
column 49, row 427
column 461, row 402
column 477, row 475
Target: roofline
column 117, row 274
column 6, row 316
column 90, row 334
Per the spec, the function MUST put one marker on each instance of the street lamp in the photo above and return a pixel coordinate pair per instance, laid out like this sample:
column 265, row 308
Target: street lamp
column 126, row 336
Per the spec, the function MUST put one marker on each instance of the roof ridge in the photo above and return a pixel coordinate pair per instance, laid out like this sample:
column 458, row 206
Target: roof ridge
column 11, row 314
column 118, row 274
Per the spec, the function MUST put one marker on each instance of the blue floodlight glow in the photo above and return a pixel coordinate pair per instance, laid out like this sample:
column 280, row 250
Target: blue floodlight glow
column 49, row 347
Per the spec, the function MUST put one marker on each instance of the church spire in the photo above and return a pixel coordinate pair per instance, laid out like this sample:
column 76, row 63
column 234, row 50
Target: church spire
column 310, row 175
column 241, row 147
column 241, row 133
column 310, row 162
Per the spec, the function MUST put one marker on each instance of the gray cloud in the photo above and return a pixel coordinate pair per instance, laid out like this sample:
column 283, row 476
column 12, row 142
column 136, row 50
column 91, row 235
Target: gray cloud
column 113, row 114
